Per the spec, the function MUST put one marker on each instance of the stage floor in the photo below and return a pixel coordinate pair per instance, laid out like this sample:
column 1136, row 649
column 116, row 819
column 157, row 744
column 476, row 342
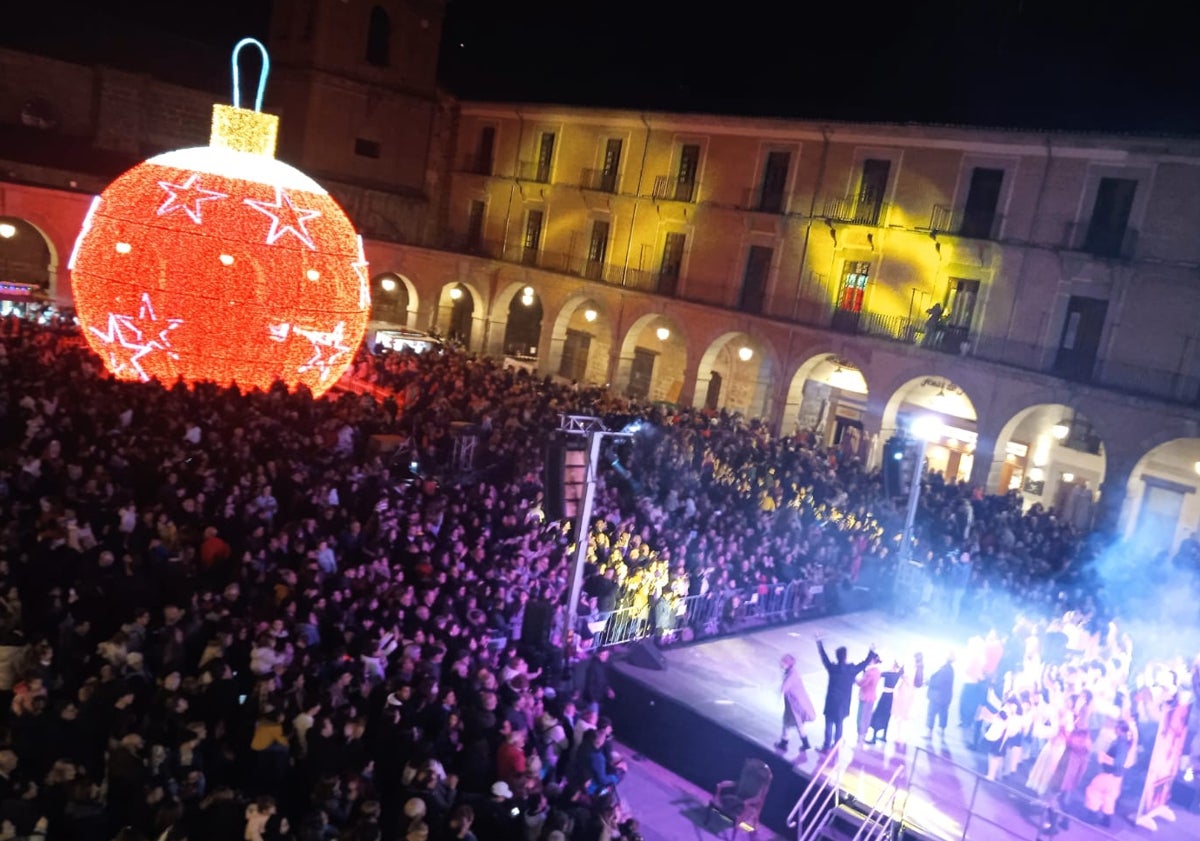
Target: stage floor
column 734, row 684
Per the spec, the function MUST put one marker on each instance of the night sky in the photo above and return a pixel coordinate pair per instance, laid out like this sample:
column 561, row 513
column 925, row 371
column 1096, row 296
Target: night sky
column 1066, row 64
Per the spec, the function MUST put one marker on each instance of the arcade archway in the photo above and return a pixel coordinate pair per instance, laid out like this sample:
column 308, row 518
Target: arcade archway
column 1162, row 501
column 27, row 266
column 523, row 326
column 581, row 342
column 827, row 399
column 952, row 452
column 1051, row 455
column 734, row 375
column 460, row 308
column 653, row 360
column 393, row 299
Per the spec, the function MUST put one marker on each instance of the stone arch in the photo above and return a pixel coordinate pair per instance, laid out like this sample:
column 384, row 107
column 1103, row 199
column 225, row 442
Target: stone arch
column 726, row 378
column 581, row 341
column 1052, row 454
column 461, row 314
column 28, row 254
column 652, row 364
column 1162, row 500
column 952, row 453
column 825, row 387
column 519, row 322
column 393, row 299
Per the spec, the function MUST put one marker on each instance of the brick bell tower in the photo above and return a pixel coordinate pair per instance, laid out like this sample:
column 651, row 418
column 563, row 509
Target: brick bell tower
column 355, row 84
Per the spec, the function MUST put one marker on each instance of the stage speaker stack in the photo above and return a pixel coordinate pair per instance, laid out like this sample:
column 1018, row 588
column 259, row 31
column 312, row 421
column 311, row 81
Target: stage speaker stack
column 645, row 655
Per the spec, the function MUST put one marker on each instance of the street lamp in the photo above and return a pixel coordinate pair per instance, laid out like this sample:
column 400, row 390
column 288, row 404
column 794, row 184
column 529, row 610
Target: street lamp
column 7, row 230
column 745, row 353
column 663, row 333
column 388, row 284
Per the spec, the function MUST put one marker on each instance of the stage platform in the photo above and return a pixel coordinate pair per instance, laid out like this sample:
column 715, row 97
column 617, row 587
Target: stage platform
column 717, row 703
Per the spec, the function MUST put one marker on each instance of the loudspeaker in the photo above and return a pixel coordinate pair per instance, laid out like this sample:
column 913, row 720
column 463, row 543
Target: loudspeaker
column 644, row 654
column 539, row 620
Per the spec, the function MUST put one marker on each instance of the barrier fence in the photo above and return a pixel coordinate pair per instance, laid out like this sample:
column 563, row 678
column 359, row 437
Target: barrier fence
column 672, row 619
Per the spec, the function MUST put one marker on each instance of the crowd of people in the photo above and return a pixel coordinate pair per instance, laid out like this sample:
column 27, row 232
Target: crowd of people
column 260, row 615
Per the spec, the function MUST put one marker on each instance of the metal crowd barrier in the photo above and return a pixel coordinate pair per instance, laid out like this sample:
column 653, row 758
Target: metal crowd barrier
column 697, row 616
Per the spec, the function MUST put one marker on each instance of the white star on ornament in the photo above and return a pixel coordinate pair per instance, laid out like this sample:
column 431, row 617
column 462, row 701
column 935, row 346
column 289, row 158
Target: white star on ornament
column 364, row 282
column 187, row 197
column 285, row 217
column 321, row 341
column 132, row 332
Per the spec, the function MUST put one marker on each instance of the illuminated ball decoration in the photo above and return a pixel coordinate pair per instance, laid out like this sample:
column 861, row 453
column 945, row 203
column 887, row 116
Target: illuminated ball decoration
column 222, row 264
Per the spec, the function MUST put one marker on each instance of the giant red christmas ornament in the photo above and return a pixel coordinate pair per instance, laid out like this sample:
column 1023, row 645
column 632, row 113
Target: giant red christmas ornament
column 221, row 263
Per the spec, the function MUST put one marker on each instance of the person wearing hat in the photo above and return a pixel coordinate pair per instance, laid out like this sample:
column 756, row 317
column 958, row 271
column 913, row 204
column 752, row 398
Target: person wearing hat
column 499, row 816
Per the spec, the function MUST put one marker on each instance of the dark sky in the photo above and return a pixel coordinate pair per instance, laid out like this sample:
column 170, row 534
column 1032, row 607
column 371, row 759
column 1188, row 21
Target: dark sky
column 1075, row 64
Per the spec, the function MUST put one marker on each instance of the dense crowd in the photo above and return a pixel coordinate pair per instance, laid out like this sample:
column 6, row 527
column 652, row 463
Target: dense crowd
column 259, row 615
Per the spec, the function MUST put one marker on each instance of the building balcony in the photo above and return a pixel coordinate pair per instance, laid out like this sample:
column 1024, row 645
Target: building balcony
column 851, row 211
column 476, row 164
column 756, row 201
column 534, row 171
column 1136, row 380
column 670, row 188
column 599, row 180
column 946, row 219
column 1079, row 236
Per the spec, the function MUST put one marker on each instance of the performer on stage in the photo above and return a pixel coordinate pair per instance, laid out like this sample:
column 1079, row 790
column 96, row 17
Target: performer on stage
column 798, row 709
column 882, row 714
column 841, row 689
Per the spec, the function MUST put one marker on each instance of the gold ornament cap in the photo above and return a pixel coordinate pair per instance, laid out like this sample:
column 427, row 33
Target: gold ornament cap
column 243, row 130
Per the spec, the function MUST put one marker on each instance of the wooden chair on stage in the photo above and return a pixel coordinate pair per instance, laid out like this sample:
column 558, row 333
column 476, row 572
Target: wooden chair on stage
column 741, row 800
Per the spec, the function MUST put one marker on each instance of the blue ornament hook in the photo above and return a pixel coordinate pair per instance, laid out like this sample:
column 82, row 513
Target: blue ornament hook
column 262, row 74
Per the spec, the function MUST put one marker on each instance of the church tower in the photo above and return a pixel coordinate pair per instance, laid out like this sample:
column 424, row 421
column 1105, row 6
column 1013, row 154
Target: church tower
column 355, row 83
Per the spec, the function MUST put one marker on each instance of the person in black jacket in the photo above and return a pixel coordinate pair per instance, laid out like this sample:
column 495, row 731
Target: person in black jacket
column 596, row 685
column 841, row 689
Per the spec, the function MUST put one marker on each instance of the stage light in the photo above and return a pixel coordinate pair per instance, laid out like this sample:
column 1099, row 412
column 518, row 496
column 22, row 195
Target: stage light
column 745, row 353
column 589, row 315
column 388, row 284
column 456, row 293
column 663, row 334
column 7, row 230
column 926, row 428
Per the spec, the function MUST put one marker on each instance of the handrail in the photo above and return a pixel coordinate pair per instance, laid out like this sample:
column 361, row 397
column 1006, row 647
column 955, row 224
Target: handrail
column 1010, row 793
column 879, row 828
column 821, row 803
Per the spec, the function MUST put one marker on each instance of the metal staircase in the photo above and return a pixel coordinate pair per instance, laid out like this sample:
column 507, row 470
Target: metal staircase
column 825, row 813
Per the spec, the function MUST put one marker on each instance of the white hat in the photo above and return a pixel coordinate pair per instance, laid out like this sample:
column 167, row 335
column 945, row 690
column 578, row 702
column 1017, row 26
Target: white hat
column 501, row 789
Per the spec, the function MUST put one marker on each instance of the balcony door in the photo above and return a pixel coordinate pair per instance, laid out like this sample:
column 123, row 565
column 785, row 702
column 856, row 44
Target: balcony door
column 855, row 275
column 872, row 187
column 1080, row 342
column 983, row 197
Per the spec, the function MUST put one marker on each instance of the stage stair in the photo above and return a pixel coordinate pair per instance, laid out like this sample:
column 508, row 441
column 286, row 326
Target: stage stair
column 824, row 812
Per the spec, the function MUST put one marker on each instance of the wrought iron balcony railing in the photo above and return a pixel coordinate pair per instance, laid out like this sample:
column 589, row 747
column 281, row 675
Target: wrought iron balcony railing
column 851, row 211
column 670, row 188
column 603, row 181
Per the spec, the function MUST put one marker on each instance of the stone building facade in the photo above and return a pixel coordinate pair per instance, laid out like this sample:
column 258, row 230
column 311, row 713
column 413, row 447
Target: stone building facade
column 1034, row 291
